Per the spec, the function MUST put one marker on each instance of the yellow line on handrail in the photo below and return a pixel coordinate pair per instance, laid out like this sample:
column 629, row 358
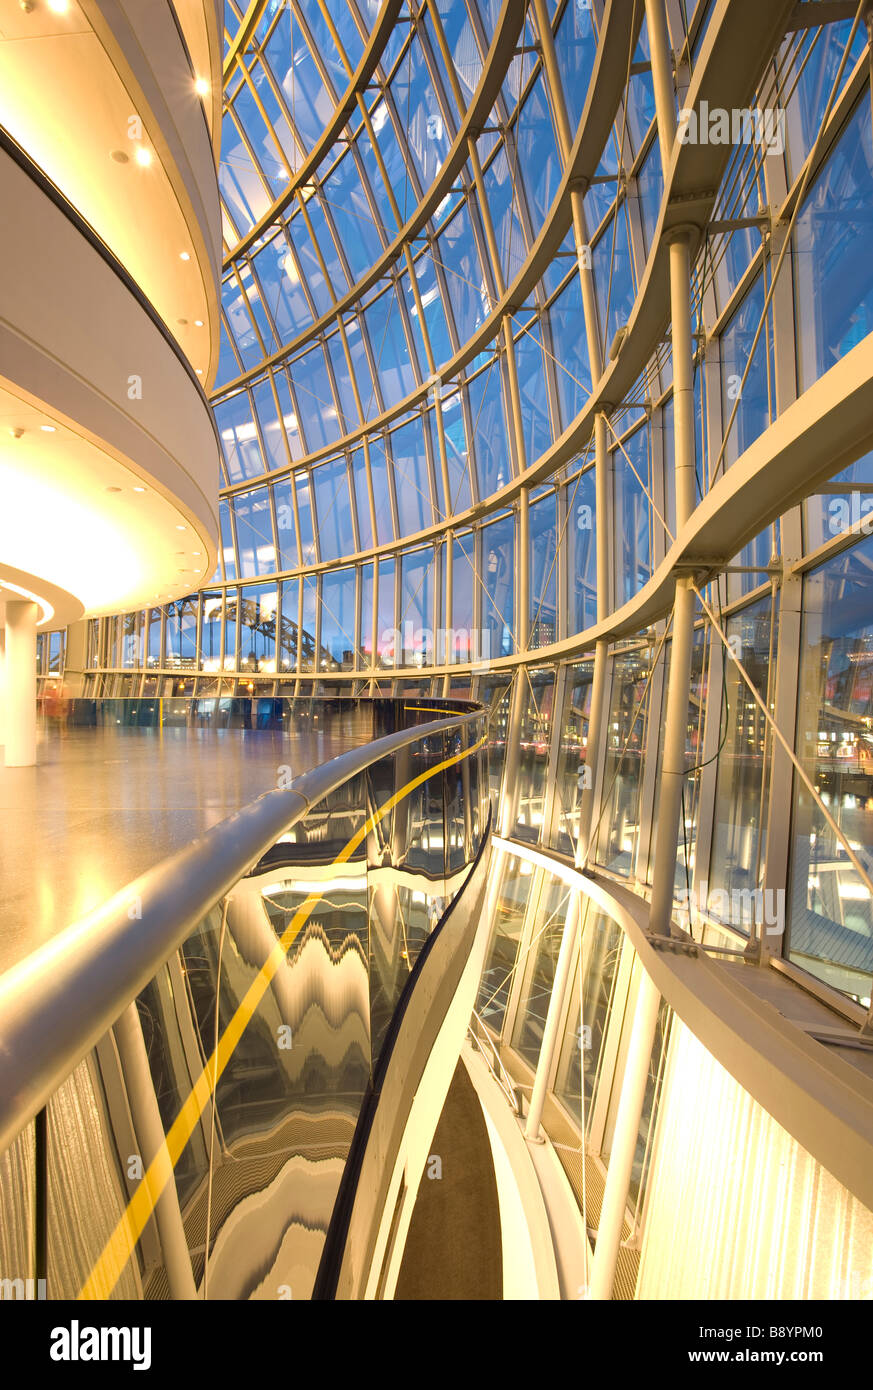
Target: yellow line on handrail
column 429, row 709
column 121, row 1244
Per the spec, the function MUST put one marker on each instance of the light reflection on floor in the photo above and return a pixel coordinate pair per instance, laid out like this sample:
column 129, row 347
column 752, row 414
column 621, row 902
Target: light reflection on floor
column 104, row 805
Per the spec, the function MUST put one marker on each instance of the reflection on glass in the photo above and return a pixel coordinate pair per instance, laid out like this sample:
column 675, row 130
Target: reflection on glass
column 625, row 746
column 739, row 819
column 831, row 920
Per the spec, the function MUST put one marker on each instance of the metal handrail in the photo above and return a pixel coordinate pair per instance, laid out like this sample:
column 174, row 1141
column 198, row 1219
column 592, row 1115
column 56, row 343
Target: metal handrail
column 493, row 1060
column 60, row 1000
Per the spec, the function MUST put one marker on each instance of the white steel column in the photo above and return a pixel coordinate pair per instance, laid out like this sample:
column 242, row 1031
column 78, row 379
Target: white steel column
column 20, row 683
column 596, row 745
column 150, row 1135
column 510, row 788
column 636, row 1072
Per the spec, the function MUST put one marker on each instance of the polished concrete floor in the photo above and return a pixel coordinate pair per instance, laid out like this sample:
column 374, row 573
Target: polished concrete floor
column 103, row 805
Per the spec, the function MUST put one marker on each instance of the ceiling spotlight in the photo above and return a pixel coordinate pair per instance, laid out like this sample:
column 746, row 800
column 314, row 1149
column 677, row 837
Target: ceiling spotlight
column 184, row 256
column 143, row 155
column 119, row 156
column 28, row 6
column 181, row 528
column 199, row 371
column 16, row 432
column 59, row 6
column 201, row 87
column 113, row 489
column 198, row 323
column 140, row 489
column 48, row 429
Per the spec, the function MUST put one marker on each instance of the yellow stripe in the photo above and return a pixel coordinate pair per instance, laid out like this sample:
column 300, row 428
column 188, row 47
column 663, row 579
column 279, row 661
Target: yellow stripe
column 430, row 709
column 122, row 1243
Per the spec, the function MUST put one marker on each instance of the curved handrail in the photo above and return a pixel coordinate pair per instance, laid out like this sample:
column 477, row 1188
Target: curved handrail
column 60, row 1000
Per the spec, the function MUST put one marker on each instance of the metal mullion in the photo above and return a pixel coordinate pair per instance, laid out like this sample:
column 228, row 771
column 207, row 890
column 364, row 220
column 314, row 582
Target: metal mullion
column 302, row 432
column 524, row 951
column 265, row 303
column 402, row 142
column 518, row 188
column 416, row 294
column 716, row 670
column 301, row 201
column 302, row 282
column 481, row 201
column 243, row 135
column 434, row 73
column 429, row 458
column 366, row 185
column 300, row 582
column 562, row 577
column 515, row 423
column 392, row 483
column 315, row 50
column 326, row 211
column 371, row 496
column 268, row 124
column 559, row 693
column 356, row 624
column 353, row 501
column 322, row 340
column 371, row 363
column 300, row 149
column 407, row 328
column 363, row 32
column 472, row 472
column 380, row 162
column 650, row 748
column 280, row 418
column 249, row 311
column 445, row 297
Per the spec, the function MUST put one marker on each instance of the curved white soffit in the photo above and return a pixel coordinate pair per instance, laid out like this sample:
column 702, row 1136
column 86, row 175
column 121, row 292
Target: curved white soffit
column 80, row 351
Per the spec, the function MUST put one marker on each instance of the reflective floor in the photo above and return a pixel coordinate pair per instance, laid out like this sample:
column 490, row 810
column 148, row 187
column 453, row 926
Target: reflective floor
column 103, row 805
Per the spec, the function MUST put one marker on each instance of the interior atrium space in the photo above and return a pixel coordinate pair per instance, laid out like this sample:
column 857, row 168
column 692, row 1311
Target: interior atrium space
column 436, row 660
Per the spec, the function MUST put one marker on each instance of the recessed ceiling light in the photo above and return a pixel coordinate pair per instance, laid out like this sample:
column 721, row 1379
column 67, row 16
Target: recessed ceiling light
column 119, row 156
column 143, row 155
column 113, row 489
column 199, row 371
column 184, row 256
column 184, row 322
column 181, row 528
column 48, row 429
column 59, row 6
column 140, row 489
column 197, row 553
column 201, row 87
column 198, row 323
